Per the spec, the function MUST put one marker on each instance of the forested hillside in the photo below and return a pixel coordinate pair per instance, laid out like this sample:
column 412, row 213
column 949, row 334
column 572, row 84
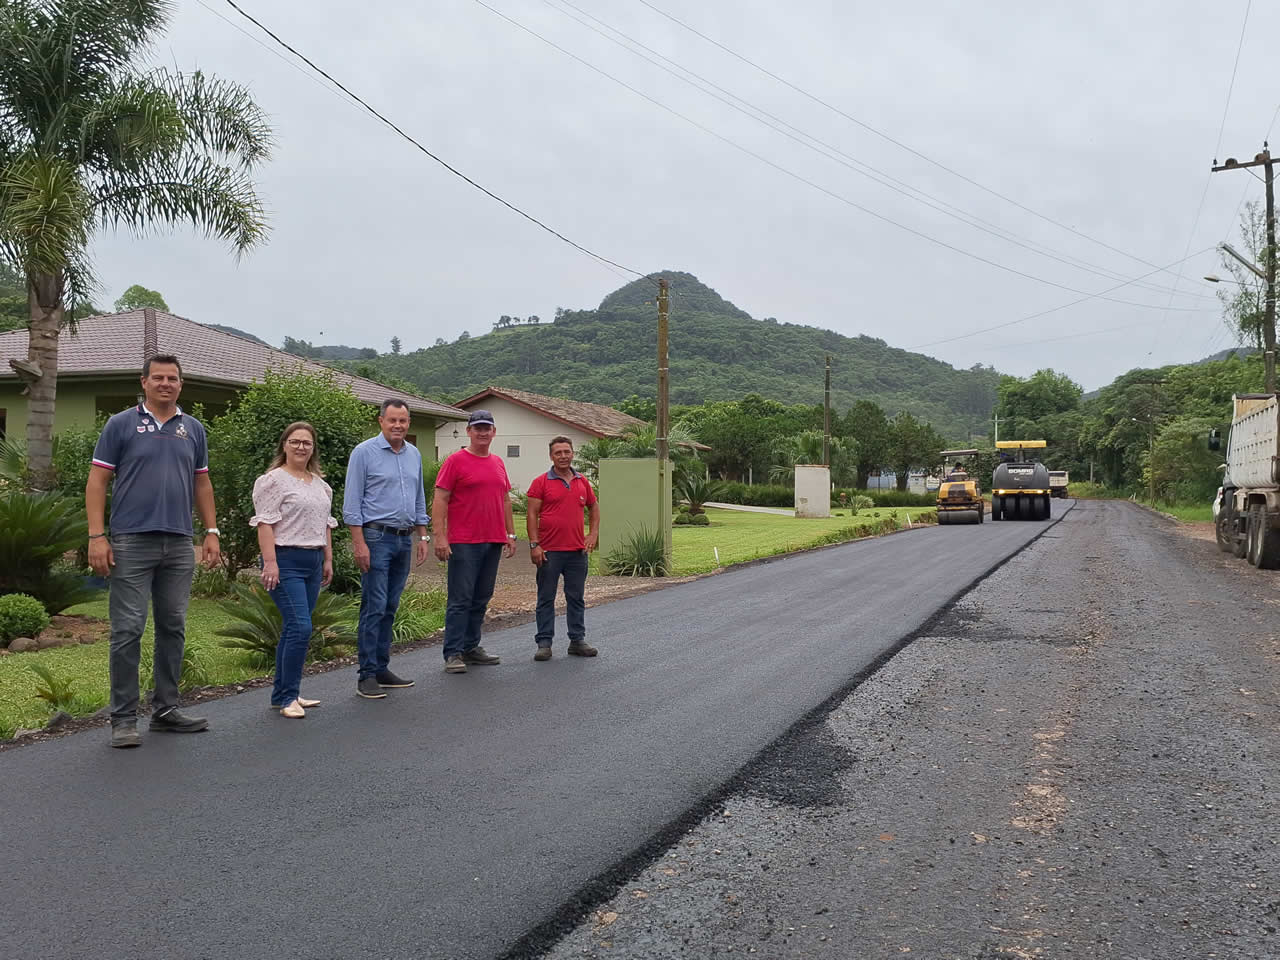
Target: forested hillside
column 718, row 352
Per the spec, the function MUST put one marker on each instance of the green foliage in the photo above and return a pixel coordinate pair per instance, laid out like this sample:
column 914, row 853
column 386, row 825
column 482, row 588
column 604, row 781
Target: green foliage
column 806, row 448
column 198, row 666
column 346, row 573
column 1043, row 394
column 210, row 584
column 242, row 441
column 758, row 495
column 1185, row 469
column 35, row 531
column 419, row 614
column 912, row 445
column 868, row 427
column 519, row 502
column 54, row 689
column 258, row 623
column 867, row 499
column 860, row 502
column 743, row 434
column 137, row 297
column 588, row 456
column 72, row 456
column 1244, row 300
column 21, row 616
column 718, row 353
column 642, row 554
column 699, row 520
column 683, row 519
column 697, row 488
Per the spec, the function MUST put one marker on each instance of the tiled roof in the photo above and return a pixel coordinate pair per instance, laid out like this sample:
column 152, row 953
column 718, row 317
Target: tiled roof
column 113, row 344
column 592, row 417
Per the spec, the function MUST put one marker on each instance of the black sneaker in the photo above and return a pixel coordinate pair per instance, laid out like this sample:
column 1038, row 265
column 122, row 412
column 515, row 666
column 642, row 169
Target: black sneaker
column 125, row 734
column 478, row 654
column 369, row 689
column 171, row 720
column 580, row 648
column 544, row 653
column 388, row 679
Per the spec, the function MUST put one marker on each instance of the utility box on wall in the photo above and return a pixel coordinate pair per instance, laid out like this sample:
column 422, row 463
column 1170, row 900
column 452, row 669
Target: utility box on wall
column 813, row 490
column 629, row 501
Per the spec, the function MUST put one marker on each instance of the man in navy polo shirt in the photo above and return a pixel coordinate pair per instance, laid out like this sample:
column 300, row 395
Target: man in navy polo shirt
column 559, row 549
column 155, row 459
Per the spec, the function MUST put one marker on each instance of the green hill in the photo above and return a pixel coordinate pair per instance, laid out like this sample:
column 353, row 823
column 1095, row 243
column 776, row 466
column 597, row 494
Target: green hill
column 717, row 352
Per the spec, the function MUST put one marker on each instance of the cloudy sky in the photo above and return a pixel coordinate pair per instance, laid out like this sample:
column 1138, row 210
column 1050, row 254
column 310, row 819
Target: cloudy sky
column 1095, row 122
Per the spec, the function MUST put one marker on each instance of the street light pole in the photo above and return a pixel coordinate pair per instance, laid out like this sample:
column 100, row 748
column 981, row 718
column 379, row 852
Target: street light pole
column 1265, row 161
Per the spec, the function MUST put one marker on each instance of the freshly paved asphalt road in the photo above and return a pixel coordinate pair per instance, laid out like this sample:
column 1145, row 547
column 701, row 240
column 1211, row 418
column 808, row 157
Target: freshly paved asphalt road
column 450, row 819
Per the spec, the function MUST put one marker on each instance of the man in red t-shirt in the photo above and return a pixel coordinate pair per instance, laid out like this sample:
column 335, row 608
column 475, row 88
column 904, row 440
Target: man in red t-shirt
column 559, row 549
column 473, row 526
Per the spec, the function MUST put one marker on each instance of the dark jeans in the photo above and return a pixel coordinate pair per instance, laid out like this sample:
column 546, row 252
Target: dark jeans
column 473, row 571
column 390, row 557
column 155, row 567
column 572, row 565
column 301, row 570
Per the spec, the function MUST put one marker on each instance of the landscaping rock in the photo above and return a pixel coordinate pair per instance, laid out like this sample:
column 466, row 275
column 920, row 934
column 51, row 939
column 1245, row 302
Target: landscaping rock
column 23, row 645
column 103, row 713
column 58, row 720
column 20, row 733
column 49, row 639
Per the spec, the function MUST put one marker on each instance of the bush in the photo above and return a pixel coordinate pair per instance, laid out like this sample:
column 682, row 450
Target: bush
column 519, row 502
column 758, row 495
column 36, row 529
column 241, row 442
column 210, row 584
column 21, row 616
column 333, row 625
column 418, row 615
column 700, row 520
column 695, row 486
column 889, row 498
column 643, row 554
column 346, row 574
column 683, row 519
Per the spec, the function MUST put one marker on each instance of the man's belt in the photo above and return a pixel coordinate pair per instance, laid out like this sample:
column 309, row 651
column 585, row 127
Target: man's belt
column 398, row 531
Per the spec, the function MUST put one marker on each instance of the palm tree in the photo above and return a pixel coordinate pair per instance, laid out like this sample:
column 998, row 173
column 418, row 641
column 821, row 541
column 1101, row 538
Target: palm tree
column 89, row 139
column 806, row 447
column 641, row 440
column 587, row 460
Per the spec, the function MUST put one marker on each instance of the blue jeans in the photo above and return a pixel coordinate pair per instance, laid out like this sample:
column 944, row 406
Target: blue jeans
column 390, row 557
column 473, row 571
column 572, row 565
column 155, row 567
column 301, row 570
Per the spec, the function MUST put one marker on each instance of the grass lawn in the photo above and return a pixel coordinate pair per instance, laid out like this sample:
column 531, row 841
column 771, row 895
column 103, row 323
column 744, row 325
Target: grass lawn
column 1188, row 512
column 87, row 664
column 743, row 536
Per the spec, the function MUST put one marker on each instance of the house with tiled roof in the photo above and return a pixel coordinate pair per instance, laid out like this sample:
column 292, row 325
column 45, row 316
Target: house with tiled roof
column 100, row 362
column 526, row 422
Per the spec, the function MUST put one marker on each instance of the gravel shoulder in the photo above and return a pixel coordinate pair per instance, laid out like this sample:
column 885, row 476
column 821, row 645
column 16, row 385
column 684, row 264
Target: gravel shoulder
column 1080, row 758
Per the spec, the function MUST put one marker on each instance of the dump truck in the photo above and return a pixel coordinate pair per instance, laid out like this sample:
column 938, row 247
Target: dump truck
column 1020, row 485
column 1248, row 520
column 1058, row 480
column 959, row 498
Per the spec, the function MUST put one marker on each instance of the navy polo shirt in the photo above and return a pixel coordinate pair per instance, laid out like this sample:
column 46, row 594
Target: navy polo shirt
column 155, row 466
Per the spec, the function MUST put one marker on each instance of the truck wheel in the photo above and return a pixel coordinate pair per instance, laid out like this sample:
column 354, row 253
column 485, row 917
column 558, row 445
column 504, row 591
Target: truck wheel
column 1026, row 508
column 1268, row 542
column 1222, row 531
column 981, row 512
column 1253, row 539
column 995, row 507
column 1042, row 508
column 1239, row 544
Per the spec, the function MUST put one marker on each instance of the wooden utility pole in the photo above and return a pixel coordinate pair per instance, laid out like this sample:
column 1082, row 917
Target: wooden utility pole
column 826, row 418
column 1269, row 316
column 662, row 424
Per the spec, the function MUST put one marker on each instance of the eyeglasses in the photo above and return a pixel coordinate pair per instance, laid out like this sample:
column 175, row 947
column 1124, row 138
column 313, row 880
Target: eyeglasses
column 300, row 444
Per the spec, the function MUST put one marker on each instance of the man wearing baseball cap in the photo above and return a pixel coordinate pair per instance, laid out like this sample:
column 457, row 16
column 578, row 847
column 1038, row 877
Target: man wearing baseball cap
column 474, row 527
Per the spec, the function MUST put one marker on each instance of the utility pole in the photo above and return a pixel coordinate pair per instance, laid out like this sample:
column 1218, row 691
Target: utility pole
column 997, row 440
column 662, row 425
column 1265, row 161
column 826, row 418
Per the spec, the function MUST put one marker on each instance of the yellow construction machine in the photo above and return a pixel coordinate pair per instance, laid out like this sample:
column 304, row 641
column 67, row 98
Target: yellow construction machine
column 1020, row 487
column 959, row 498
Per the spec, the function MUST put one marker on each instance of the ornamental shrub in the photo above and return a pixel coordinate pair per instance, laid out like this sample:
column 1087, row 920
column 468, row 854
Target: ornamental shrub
column 643, row 554
column 242, row 441
column 700, row 520
column 36, row 530
column 21, row 616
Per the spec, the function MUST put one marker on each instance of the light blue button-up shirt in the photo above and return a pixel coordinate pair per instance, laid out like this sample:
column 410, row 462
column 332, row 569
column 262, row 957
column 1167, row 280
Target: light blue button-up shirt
column 384, row 486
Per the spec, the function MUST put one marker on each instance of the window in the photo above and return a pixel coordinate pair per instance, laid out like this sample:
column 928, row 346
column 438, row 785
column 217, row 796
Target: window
column 513, row 450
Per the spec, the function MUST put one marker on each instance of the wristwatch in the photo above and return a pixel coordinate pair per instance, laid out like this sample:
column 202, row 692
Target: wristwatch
column 214, row 530
column 533, row 544
column 512, row 536
column 424, row 538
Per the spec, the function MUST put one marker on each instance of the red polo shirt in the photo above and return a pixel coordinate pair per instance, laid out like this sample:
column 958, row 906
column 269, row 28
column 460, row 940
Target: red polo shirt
column 560, row 522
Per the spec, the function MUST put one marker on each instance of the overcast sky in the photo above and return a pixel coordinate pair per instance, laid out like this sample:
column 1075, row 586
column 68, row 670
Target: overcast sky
column 1101, row 115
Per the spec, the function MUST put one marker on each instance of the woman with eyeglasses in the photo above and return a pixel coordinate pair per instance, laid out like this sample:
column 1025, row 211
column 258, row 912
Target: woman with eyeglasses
column 293, row 511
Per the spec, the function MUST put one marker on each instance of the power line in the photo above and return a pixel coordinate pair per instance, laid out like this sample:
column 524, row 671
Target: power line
column 1232, row 85
column 452, row 169
column 829, row 150
column 884, row 136
column 824, row 190
column 1045, row 313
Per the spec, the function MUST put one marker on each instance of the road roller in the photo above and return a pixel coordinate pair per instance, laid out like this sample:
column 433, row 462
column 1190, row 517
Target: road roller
column 1020, row 488
column 959, row 499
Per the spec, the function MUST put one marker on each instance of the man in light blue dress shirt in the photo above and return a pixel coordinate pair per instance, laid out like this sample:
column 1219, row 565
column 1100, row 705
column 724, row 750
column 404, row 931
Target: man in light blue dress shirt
column 385, row 507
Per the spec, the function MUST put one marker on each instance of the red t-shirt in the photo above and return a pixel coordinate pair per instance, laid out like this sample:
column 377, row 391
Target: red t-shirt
column 560, row 522
column 478, row 488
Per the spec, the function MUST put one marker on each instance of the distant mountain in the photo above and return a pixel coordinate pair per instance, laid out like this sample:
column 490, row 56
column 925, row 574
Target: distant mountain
column 717, row 352
column 237, row 332
column 1240, row 352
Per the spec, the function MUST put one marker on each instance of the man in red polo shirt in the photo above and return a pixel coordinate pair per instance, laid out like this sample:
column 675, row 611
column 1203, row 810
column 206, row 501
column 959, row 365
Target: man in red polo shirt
column 559, row 549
